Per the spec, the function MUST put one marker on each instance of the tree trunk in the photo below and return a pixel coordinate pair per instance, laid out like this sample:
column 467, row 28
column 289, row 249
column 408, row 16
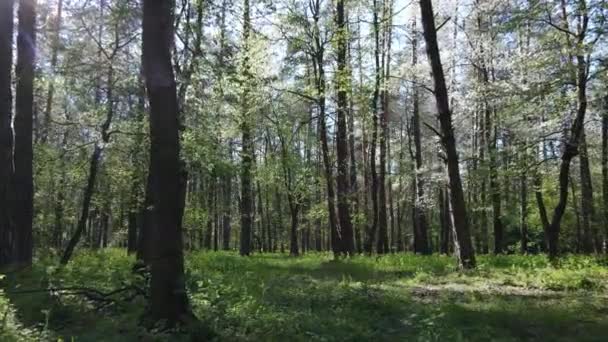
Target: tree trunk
column 421, row 243
column 6, row 133
column 168, row 299
column 577, row 214
column 523, row 212
column 93, row 169
column 343, row 82
column 462, row 242
column 226, row 223
column 605, row 167
column 587, row 211
column 209, row 230
column 23, row 182
column 86, row 204
column 571, row 142
column 371, row 234
column 247, row 143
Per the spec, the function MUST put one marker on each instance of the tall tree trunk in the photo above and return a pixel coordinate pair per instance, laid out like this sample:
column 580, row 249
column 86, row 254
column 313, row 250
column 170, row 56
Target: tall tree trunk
column 354, row 187
column 371, row 234
column 247, row 142
column 168, row 299
column 421, row 243
column 343, row 84
column 23, row 181
column 462, row 242
column 382, row 243
column 319, row 72
column 6, row 133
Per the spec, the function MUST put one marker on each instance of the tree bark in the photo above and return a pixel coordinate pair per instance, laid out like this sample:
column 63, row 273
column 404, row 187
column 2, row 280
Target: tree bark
column 247, row 143
column 421, row 244
column 462, row 242
column 587, row 206
column 6, row 133
column 343, row 83
column 93, row 169
column 605, row 167
column 23, row 181
column 168, row 299
column 50, row 95
column 373, row 228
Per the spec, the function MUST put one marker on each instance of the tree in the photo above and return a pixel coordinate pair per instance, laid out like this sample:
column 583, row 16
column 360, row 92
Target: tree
column 247, row 149
column 462, row 237
column 23, row 178
column 6, row 135
column 421, row 244
column 342, row 180
column 168, row 299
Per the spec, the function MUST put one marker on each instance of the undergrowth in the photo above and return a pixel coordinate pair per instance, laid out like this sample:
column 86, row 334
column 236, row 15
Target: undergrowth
column 275, row 297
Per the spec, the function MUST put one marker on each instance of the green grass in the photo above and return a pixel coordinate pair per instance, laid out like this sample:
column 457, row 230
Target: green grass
column 312, row 298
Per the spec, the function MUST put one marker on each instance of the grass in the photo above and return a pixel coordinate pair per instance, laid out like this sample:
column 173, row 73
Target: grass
column 312, row 298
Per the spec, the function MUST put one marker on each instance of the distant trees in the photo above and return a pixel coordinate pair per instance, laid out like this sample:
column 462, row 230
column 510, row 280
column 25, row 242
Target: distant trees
column 310, row 127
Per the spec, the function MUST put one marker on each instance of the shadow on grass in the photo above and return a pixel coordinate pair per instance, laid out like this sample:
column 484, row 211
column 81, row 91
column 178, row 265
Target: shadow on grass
column 65, row 316
column 336, row 312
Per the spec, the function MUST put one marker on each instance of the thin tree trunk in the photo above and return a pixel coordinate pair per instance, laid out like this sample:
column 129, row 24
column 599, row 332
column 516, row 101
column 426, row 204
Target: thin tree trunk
column 372, row 231
column 577, row 213
column 605, row 168
column 587, row 211
column 421, row 243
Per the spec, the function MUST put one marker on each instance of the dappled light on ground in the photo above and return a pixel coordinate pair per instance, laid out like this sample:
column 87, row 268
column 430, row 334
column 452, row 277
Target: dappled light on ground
column 314, row 298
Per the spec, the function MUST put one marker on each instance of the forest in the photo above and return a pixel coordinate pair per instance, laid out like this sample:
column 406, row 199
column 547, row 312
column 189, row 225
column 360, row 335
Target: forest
column 314, row 170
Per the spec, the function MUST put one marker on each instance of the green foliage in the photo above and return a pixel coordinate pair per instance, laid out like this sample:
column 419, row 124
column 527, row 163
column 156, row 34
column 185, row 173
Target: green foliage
column 274, row 297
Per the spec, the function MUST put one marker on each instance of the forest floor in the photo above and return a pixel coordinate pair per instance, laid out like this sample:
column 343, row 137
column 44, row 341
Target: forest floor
column 272, row 297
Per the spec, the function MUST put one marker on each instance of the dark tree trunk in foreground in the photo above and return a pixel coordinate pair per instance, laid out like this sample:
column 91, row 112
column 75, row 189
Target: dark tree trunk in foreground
column 462, row 236
column 6, row 134
column 23, row 181
column 247, row 142
column 168, row 299
column 342, row 181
